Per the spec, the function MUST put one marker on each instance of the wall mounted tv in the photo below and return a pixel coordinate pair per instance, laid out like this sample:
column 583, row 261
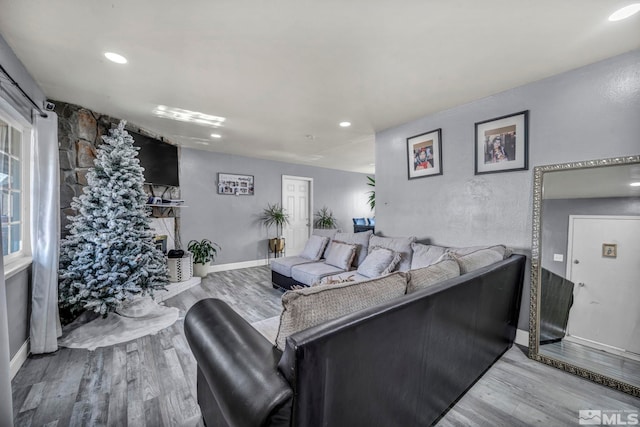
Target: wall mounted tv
column 159, row 160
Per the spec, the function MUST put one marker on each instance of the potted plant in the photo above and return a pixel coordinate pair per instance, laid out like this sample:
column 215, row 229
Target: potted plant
column 372, row 193
column 275, row 215
column 325, row 218
column 204, row 252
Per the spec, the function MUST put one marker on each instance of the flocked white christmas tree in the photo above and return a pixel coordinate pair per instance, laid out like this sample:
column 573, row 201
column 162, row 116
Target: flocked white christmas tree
column 109, row 255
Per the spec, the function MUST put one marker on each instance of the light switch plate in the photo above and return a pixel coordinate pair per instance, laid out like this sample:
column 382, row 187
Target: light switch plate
column 558, row 257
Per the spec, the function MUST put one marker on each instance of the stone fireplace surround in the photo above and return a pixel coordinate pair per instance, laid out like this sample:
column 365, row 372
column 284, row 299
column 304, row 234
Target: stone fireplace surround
column 80, row 132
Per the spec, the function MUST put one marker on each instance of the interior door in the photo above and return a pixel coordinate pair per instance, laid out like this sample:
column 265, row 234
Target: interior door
column 607, row 280
column 296, row 199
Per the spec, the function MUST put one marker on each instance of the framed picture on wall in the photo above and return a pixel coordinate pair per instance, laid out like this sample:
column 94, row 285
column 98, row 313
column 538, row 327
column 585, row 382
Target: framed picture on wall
column 502, row 144
column 235, row 185
column 424, row 154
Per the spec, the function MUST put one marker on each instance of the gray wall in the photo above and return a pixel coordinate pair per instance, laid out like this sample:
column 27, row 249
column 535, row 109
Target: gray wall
column 19, row 73
column 18, row 287
column 18, row 309
column 588, row 113
column 231, row 221
column 555, row 223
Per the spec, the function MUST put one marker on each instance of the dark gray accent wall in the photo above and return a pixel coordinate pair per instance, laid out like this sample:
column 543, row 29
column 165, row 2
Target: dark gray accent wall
column 18, row 309
column 555, row 223
column 19, row 73
column 231, row 221
column 588, row 113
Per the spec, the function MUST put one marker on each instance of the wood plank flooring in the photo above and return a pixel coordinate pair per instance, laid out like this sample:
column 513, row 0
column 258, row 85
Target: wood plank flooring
column 151, row 381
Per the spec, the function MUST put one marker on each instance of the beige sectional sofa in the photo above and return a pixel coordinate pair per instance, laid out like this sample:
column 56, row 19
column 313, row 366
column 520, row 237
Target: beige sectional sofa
column 334, row 256
column 414, row 266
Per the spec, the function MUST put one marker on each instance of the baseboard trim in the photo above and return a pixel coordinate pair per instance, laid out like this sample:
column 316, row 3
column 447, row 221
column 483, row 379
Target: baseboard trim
column 19, row 358
column 522, row 337
column 237, row 265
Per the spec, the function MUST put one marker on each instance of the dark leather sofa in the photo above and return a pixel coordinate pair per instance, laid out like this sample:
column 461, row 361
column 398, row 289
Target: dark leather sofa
column 402, row 363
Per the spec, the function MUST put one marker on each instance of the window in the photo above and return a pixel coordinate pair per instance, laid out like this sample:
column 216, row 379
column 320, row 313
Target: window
column 12, row 187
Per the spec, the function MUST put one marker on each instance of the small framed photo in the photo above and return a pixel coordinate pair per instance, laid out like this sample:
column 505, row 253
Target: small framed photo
column 235, row 185
column 609, row 250
column 502, row 144
column 424, row 154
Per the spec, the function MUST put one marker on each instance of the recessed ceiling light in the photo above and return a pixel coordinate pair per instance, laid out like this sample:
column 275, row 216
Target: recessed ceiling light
column 345, row 124
column 625, row 12
column 216, row 135
column 635, row 184
column 114, row 57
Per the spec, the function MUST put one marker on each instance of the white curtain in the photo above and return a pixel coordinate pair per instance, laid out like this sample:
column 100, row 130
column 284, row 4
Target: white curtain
column 45, row 232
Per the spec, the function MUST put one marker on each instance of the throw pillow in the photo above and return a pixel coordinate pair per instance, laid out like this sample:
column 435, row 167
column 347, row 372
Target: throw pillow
column 425, row 255
column 326, row 232
column 379, row 262
column 304, row 308
column 314, row 248
column 475, row 260
column 341, row 255
column 427, row 276
column 401, row 245
column 501, row 249
column 359, row 221
column 360, row 239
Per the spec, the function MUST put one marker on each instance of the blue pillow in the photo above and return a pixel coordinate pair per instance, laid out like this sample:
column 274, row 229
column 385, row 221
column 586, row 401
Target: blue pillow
column 372, row 221
column 359, row 221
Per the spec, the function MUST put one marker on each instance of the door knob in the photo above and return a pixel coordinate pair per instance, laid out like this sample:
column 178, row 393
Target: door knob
column 575, row 261
column 581, row 284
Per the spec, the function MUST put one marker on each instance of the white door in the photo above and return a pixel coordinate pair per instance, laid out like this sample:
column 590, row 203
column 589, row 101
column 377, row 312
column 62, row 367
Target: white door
column 296, row 199
column 606, row 306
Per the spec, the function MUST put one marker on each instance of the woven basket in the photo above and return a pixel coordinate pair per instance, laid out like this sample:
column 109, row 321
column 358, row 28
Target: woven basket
column 181, row 269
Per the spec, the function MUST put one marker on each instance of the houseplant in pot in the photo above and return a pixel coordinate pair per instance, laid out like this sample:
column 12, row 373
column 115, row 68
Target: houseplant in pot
column 275, row 215
column 204, row 252
column 325, row 218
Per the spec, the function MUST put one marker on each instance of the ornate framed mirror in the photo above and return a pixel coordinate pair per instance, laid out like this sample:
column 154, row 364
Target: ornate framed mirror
column 585, row 270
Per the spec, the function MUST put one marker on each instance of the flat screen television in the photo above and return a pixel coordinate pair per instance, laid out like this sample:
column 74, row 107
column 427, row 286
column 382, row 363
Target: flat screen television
column 159, row 160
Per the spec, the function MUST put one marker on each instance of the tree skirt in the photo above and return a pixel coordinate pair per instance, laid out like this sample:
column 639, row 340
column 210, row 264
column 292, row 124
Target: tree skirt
column 142, row 316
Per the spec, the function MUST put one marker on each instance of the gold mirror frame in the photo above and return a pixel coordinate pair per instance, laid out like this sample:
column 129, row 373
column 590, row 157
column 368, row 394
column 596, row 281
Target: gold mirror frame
column 534, row 313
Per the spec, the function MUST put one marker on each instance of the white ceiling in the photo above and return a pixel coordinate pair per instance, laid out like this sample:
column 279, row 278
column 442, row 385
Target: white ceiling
column 280, row 70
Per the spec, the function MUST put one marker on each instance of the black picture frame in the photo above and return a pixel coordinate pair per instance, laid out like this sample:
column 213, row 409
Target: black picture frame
column 231, row 184
column 502, row 144
column 424, row 154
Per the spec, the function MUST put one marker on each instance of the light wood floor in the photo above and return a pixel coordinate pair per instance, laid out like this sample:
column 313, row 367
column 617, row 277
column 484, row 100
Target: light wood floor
column 151, row 381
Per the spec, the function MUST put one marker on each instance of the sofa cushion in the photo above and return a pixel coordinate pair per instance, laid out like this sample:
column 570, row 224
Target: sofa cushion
column 314, row 249
column 326, row 232
column 475, row 260
column 402, row 245
column 425, row 255
column 304, row 308
column 311, row 273
column 501, row 249
column 341, row 255
column 379, row 262
column 283, row 265
column 361, row 239
column 424, row 277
